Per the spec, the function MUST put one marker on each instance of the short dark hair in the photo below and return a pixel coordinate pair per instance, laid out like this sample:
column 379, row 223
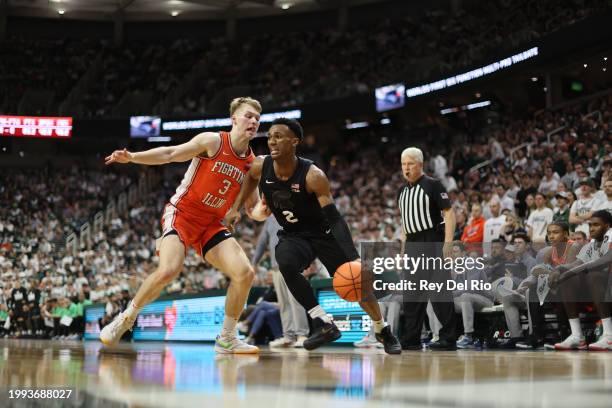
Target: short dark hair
column 292, row 124
column 561, row 224
column 604, row 215
column 523, row 236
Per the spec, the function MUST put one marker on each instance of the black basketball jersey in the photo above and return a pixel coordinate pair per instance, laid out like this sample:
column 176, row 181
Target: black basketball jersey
column 295, row 209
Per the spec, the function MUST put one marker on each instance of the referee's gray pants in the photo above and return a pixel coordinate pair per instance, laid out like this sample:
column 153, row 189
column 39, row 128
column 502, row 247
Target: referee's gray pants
column 293, row 316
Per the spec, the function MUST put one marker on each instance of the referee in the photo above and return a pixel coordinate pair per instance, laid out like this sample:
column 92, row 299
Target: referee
column 427, row 221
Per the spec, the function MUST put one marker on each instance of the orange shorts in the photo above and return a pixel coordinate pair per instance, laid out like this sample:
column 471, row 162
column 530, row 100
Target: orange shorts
column 200, row 233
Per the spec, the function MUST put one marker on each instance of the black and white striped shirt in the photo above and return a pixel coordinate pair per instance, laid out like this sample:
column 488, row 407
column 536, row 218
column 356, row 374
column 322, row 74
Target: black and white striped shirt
column 421, row 204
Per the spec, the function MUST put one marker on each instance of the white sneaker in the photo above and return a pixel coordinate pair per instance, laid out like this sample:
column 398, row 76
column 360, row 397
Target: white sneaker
column 367, row 341
column 299, row 343
column 282, row 342
column 572, row 343
column 112, row 332
column 234, row 346
column 603, row 344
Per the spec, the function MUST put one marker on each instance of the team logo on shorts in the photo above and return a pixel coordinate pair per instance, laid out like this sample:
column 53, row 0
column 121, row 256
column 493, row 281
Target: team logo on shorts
column 444, row 196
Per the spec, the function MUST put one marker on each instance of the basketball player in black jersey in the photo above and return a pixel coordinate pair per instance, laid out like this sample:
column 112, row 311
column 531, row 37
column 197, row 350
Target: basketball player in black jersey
column 298, row 194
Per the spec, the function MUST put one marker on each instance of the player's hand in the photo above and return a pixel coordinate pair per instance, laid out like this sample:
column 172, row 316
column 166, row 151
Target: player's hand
column 231, row 219
column 522, row 289
column 118, row 156
column 553, row 278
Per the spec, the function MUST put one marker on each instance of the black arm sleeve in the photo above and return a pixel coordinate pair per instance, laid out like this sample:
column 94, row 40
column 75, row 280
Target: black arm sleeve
column 340, row 231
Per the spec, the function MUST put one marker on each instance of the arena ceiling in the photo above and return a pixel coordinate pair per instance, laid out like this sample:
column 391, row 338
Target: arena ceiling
column 134, row 10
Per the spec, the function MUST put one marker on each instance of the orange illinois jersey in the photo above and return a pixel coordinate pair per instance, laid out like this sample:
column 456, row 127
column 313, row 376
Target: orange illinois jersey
column 211, row 184
column 556, row 259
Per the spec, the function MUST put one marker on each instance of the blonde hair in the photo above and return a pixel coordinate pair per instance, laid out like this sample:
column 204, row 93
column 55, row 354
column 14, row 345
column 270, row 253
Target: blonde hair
column 238, row 102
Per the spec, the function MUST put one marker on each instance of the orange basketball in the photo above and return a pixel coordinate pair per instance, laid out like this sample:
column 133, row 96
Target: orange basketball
column 347, row 281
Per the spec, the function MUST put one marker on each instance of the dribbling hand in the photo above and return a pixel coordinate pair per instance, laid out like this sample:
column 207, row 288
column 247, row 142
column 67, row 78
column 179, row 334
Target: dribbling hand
column 231, row 219
column 118, row 156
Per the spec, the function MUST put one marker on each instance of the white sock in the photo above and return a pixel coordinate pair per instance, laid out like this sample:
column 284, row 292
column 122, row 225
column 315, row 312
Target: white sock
column 318, row 311
column 575, row 326
column 229, row 327
column 132, row 310
column 607, row 326
column 378, row 325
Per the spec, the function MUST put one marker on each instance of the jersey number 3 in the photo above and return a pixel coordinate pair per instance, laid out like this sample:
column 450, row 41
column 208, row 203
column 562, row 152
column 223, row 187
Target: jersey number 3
column 226, row 185
column 289, row 217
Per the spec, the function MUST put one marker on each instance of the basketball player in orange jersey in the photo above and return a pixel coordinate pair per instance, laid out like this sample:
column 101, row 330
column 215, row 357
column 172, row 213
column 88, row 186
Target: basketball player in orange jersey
column 560, row 252
column 298, row 194
column 219, row 164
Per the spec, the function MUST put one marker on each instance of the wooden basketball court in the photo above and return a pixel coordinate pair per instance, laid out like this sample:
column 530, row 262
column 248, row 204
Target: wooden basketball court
column 188, row 375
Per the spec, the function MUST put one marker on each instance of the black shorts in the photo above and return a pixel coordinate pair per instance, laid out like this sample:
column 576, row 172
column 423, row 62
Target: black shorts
column 305, row 247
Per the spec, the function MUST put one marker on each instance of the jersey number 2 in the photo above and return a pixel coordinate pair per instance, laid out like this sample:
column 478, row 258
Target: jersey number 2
column 289, row 217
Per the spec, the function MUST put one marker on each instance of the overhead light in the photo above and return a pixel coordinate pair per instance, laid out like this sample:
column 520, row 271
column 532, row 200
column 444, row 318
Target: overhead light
column 534, row 79
column 356, row 125
column 471, row 106
column 477, row 94
column 61, row 12
column 605, row 58
column 585, row 65
column 604, row 69
column 174, row 13
column 385, row 121
column 285, row 6
column 545, row 89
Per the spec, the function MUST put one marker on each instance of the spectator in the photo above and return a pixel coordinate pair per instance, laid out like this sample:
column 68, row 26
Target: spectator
column 607, row 203
column 473, row 234
column 548, row 185
column 539, row 219
column 493, row 226
column 562, row 209
column 527, row 189
column 583, row 208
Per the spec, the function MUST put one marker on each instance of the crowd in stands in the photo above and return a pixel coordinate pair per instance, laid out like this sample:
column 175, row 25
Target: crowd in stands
column 282, row 69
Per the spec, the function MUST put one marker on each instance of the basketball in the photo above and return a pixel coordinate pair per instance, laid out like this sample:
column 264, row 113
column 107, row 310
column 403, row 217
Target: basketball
column 347, row 281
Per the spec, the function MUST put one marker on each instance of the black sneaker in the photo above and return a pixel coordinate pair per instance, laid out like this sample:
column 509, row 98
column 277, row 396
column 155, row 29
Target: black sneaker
column 412, row 347
column 442, row 345
column 508, row 344
column 323, row 333
column 391, row 343
column 530, row 344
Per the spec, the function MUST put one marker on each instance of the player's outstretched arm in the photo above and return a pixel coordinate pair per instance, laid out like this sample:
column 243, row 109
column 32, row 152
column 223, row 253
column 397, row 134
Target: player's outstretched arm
column 202, row 143
column 246, row 191
column 318, row 183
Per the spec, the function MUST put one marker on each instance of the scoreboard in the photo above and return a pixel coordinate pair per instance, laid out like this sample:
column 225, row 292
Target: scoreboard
column 36, row 126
